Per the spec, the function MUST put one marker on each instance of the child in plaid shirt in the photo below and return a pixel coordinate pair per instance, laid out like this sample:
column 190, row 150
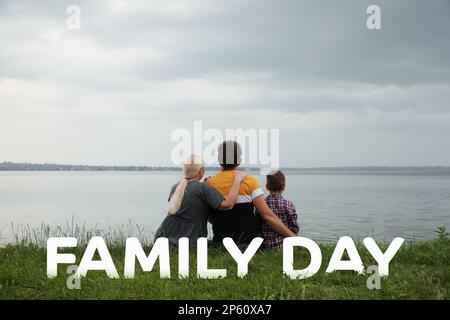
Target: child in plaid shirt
column 282, row 207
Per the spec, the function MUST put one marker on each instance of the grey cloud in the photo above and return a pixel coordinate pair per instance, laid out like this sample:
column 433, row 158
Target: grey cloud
column 303, row 40
column 135, row 63
column 290, row 40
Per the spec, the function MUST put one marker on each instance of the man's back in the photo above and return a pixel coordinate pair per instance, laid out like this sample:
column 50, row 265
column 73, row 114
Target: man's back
column 239, row 223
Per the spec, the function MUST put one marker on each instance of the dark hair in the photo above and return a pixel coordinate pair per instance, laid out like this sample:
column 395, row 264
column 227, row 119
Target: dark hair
column 276, row 181
column 229, row 154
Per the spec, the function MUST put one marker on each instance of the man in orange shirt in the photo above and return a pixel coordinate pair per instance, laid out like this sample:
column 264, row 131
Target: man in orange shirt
column 241, row 222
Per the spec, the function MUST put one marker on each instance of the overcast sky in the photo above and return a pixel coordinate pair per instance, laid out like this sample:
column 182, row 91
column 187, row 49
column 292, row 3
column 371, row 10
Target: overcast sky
column 114, row 91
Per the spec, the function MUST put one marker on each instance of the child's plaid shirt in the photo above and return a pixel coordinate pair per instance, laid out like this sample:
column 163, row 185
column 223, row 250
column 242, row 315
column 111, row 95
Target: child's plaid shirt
column 285, row 210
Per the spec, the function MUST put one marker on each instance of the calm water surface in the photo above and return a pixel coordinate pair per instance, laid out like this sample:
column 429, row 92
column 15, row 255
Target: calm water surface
column 330, row 205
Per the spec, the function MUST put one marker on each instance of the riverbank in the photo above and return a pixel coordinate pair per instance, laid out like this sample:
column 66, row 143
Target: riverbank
column 418, row 271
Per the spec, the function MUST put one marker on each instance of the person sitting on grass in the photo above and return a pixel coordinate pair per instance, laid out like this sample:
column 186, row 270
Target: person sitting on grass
column 240, row 223
column 190, row 202
column 283, row 208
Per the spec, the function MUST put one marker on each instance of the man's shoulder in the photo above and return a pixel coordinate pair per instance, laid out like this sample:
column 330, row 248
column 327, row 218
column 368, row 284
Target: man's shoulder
column 210, row 179
column 250, row 179
column 252, row 187
column 220, row 178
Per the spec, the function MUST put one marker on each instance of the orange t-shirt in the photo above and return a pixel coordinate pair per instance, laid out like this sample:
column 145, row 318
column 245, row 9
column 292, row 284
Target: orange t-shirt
column 241, row 222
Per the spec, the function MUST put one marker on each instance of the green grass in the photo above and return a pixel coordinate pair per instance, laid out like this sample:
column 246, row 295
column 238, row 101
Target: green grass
column 418, row 271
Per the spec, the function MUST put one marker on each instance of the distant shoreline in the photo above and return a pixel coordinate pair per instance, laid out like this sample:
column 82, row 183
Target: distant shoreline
column 26, row 166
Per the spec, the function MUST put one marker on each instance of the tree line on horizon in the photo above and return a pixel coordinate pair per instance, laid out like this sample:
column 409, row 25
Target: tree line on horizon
column 28, row 166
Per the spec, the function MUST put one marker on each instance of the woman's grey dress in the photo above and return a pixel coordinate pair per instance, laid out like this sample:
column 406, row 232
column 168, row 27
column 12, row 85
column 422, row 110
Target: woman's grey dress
column 191, row 220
